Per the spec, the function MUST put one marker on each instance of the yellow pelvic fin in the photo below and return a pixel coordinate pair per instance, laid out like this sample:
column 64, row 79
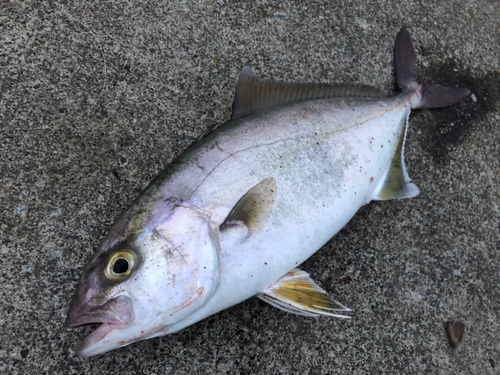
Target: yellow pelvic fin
column 297, row 293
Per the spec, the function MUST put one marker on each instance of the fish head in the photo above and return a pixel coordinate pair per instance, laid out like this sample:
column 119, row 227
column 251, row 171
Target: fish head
column 154, row 276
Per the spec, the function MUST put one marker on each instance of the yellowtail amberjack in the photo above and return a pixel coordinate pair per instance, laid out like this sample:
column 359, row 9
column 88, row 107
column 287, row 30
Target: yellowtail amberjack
column 237, row 213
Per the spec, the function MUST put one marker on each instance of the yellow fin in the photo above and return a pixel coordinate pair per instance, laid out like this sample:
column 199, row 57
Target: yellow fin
column 297, row 293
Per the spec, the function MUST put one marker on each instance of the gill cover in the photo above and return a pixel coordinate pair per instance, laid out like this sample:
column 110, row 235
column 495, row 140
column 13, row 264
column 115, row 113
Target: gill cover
column 192, row 253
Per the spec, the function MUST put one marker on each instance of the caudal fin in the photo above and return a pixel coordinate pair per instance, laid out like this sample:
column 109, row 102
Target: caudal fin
column 407, row 74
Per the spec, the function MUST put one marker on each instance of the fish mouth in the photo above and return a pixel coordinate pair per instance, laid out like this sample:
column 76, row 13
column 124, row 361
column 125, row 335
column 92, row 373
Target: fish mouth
column 117, row 314
column 86, row 348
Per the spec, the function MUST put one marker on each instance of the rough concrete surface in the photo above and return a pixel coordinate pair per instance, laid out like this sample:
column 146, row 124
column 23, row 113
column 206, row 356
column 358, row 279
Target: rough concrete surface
column 98, row 96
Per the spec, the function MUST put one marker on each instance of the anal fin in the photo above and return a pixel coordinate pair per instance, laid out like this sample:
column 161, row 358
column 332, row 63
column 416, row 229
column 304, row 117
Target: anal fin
column 396, row 184
column 297, row 293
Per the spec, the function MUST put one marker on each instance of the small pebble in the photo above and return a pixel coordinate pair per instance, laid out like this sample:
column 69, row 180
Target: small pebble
column 56, row 212
column 26, row 267
column 473, row 97
column 416, row 297
column 279, row 15
column 455, row 332
column 21, row 210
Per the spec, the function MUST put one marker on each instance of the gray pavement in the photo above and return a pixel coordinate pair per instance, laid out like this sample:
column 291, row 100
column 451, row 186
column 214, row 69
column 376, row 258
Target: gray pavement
column 98, row 96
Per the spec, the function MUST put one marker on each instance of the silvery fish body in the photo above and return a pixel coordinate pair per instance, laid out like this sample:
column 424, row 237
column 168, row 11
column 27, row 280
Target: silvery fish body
column 237, row 213
column 327, row 158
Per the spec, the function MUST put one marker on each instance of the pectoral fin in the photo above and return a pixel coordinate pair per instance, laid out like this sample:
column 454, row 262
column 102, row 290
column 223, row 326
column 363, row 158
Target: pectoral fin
column 253, row 209
column 297, row 293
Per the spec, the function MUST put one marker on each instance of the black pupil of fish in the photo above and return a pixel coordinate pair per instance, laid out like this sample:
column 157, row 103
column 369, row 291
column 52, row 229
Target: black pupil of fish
column 120, row 266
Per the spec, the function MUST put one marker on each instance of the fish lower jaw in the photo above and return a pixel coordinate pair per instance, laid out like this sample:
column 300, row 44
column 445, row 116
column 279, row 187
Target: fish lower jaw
column 93, row 344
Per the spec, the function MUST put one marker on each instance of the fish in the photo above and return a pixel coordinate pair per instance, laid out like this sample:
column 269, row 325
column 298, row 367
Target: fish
column 237, row 212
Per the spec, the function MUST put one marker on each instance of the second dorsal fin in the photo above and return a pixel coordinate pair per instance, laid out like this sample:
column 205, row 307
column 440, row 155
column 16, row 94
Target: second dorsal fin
column 254, row 94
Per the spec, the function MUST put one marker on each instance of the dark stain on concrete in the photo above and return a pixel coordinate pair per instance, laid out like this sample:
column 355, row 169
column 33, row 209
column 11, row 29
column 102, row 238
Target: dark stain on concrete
column 445, row 128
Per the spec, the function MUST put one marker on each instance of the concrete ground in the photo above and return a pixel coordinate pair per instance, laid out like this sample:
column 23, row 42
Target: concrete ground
column 98, row 96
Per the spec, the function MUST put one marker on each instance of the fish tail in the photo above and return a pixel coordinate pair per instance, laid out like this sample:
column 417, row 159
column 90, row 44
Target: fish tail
column 407, row 74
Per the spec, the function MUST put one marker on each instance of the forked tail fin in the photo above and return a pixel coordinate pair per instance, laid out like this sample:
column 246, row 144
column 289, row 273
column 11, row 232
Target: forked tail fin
column 396, row 182
column 407, row 74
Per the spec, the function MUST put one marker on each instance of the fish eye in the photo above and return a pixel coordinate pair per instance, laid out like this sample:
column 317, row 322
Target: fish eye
column 120, row 265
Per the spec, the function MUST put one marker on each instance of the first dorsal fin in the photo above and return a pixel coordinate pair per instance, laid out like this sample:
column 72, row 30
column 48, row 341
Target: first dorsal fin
column 254, row 94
